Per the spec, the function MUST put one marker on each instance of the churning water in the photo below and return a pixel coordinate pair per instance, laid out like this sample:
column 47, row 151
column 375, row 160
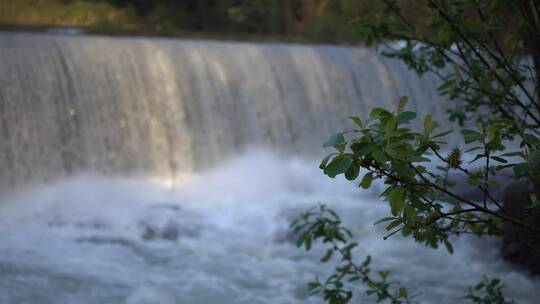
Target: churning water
column 177, row 208
column 221, row 237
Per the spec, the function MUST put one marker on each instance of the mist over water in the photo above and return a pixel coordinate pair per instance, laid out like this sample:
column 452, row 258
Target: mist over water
column 128, row 172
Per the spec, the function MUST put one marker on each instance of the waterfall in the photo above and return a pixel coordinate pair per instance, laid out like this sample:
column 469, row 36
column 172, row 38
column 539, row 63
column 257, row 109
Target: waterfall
column 160, row 107
column 86, row 121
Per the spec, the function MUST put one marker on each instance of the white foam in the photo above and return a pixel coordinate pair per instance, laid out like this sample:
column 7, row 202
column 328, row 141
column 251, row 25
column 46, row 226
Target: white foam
column 218, row 237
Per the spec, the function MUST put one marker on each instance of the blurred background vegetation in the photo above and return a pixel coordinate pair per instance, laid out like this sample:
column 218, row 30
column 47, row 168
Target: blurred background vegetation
column 285, row 20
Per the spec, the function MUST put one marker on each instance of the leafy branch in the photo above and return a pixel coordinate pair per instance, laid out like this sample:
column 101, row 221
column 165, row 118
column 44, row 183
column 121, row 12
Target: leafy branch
column 421, row 200
column 481, row 51
column 323, row 224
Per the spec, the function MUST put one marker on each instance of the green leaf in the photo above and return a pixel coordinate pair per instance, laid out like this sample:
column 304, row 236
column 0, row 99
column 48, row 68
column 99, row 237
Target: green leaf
column 446, row 85
column 384, row 219
column 504, row 122
column 301, row 239
column 377, row 112
column 393, row 225
column 307, row 243
column 402, row 103
column 356, row 120
column 406, row 117
column 428, row 120
column 379, row 156
column 340, row 164
column 449, row 246
column 397, row 200
column 477, row 157
column 410, row 214
column 534, row 165
column 501, row 167
column 521, row 169
column 429, row 124
column 403, row 292
column 403, row 171
column 333, row 213
column 473, row 149
column 393, row 153
column 499, row 159
column 335, row 140
column 366, row 181
column 384, row 274
column 493, row 130
column 442, row 134
column 419, row 159
column 390, row 126
column 352, row 173
column 491, row 135
column 471, row 135
column 531, row 139
column 516, row 153
column 327, row 255
column 325, row 161
column 534, row 200
column 406, row 231
column 361, row 149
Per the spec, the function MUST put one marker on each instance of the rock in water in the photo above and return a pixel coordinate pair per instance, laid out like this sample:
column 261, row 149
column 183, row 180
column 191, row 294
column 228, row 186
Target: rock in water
column 520, row 245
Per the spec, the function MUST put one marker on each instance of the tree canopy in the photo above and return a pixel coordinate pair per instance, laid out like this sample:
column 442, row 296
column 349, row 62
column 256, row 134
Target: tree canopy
column 311, row 20
column 486, row 55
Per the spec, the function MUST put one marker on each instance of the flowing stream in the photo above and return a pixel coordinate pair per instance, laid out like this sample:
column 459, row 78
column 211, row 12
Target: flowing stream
column 138, row 170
